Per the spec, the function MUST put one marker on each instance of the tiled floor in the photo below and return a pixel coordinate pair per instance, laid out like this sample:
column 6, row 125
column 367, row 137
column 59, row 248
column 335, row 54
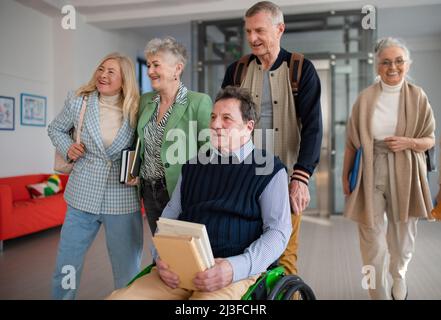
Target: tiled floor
column 329, row 261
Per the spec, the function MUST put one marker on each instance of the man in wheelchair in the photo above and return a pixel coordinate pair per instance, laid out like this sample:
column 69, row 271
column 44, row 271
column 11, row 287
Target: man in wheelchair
column 241, row 195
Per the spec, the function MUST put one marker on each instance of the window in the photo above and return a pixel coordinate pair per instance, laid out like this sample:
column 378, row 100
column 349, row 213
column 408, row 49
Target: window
column 143, row 79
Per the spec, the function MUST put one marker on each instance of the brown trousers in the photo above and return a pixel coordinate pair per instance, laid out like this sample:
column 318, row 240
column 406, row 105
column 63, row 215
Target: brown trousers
column 289, row 257
column 151, row 287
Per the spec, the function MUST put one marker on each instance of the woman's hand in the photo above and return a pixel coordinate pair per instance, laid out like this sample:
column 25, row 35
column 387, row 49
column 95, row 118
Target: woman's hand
column 133, row 182
column 76, row 151
column 397, row 144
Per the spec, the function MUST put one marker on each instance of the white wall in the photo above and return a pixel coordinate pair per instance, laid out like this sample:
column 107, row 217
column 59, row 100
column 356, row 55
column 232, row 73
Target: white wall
column 77, row 53
column 25, row 66
column 42, row 58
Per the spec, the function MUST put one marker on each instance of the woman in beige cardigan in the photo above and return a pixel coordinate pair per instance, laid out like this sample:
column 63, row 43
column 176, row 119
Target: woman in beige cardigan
column 393, row 123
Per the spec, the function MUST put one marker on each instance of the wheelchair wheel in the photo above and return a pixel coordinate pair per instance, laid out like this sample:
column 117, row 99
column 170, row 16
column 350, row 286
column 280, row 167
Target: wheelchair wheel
column 291, row 287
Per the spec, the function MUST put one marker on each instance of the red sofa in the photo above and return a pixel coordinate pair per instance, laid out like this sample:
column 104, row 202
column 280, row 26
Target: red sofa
column 20, row 214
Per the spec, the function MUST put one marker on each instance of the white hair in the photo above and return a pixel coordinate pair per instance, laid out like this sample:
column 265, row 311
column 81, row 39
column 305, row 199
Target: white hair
column 388, row 42
column 168, row 44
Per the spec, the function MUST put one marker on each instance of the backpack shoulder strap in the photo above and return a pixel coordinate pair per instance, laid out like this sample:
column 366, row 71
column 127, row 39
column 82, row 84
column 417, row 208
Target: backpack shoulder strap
column 295, row 71
column 241, row 70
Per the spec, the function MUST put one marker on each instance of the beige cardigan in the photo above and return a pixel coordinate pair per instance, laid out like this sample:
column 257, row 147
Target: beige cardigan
column 287, row 136
column 415, row 120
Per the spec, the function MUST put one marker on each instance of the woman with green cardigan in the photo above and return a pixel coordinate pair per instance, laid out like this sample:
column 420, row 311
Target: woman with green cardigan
column 171, row 119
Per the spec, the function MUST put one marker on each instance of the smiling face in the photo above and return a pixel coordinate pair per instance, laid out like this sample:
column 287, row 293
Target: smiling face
column 262, row 34
column 393, row 65
column 108, row 78
column 228, row 130
column 163, row 70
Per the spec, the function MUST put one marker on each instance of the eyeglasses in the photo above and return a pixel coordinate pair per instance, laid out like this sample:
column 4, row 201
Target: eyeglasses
column 398, row 62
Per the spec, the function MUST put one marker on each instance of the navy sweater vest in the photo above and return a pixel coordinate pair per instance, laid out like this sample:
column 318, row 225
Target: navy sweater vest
column 225, row 197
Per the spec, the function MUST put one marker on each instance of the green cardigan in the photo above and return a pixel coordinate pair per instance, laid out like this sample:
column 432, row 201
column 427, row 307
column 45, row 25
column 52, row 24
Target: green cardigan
column 174, row 153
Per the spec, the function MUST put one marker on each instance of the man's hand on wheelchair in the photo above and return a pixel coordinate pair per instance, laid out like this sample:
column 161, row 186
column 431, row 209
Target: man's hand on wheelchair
column 298, row 196
column 170, row 278
column 215, row 278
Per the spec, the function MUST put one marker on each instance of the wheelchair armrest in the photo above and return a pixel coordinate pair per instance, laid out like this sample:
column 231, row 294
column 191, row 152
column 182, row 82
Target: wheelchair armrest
column 145, row 271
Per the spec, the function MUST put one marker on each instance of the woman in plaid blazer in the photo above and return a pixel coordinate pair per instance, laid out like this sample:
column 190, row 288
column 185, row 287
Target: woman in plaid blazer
column 94, row 194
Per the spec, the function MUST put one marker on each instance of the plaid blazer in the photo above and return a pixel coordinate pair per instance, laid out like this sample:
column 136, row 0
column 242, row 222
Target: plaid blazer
column 93, row 184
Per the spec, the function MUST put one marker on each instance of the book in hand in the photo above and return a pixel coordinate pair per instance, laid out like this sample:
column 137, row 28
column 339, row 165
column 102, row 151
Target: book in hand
column 185, row 228
column 136, row 164
column 353, row 174
column 185, row 247
column 182, row 257
column 127, row 159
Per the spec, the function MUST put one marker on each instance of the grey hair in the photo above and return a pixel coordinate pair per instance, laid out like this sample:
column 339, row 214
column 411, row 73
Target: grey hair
column 273, row 9
column 388, row 42
column 168, row 44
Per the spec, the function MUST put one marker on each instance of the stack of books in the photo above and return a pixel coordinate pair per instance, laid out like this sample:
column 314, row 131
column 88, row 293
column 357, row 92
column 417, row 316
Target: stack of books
column 185, row 247
column 130, row 163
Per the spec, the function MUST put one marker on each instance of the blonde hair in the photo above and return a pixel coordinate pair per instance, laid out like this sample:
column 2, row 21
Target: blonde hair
column 130, row 90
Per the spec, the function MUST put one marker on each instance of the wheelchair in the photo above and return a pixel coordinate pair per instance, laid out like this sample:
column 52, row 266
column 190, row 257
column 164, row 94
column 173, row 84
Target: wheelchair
column 272, row 284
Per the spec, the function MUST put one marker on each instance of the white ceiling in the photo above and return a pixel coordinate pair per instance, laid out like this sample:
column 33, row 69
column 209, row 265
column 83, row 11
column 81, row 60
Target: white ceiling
column 120, row 14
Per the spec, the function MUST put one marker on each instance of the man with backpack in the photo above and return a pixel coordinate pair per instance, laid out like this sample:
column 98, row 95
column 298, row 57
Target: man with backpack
column 286, row 90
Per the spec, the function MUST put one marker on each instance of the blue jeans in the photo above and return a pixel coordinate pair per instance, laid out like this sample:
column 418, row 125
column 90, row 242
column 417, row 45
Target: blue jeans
column 124, row 237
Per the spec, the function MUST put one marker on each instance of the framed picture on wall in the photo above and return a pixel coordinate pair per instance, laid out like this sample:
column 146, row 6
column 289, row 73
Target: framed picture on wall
column 33, row 110
column 7, row 113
